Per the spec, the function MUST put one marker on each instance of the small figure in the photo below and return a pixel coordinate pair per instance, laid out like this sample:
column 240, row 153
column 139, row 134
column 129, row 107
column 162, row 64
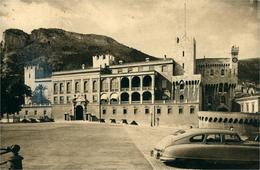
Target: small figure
column 231, row 128
column 15, row 160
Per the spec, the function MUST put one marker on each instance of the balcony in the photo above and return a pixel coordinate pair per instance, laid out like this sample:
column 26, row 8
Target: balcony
column 124, row 102
column 124, row 89
column 147, row 88
column 136, row 88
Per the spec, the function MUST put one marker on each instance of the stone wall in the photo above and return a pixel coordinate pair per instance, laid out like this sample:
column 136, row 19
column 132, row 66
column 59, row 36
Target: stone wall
column 244, row 123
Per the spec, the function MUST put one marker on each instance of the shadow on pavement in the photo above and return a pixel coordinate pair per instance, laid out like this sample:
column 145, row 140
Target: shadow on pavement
column 198, row 164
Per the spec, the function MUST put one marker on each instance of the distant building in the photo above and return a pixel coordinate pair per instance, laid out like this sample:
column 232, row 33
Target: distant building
column 168, row 91
column 250, row 104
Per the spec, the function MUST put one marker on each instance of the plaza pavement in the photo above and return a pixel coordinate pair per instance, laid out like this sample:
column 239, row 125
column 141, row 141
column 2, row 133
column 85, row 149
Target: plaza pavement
column 74, row 145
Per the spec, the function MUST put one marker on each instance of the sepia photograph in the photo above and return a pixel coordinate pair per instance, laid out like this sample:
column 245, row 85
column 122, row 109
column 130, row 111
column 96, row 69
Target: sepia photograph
column 129, row 84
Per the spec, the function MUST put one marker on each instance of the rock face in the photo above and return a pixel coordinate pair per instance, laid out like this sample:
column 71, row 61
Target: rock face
column 15, row 39
column 61, row 50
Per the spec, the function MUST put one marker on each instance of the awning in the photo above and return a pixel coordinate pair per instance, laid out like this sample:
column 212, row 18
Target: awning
column 114, row 96
column 104, row 97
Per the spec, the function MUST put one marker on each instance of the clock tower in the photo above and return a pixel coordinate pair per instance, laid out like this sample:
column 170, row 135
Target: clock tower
column 234, row 60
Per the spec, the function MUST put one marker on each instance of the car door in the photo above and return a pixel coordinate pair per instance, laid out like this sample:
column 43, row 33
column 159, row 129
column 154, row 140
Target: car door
column 210, row 149
column 235, row 150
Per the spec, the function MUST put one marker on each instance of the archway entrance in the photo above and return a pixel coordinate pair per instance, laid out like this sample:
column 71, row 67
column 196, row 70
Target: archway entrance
column 79, row 113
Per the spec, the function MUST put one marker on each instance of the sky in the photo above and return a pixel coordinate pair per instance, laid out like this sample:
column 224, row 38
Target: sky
column 150, row 26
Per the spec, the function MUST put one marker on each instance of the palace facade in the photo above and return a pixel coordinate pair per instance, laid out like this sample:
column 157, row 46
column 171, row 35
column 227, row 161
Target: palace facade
column 168, row 91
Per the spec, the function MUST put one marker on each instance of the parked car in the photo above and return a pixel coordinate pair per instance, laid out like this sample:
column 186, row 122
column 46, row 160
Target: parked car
column 207, row 145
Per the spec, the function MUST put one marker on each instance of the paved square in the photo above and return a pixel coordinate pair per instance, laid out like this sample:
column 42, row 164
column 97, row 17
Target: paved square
column 76, row 145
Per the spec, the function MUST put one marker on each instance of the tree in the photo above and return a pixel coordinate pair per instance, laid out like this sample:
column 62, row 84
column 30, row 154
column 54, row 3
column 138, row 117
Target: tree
column 38, row 96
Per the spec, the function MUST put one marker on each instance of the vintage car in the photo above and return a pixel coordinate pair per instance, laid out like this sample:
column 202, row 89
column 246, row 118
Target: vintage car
column 207, row 145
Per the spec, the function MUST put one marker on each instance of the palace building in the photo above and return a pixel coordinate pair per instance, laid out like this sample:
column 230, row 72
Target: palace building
column 168, row 91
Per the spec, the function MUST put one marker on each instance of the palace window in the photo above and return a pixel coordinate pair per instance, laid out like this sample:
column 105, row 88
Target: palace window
column 26, row 112
column 85, row 86
column 223, row 99
column 77, row 87
column 35, row 112
column 180, row 110
column 253, row 107
column 95, row 86
column 158, row 111
column 182, row 53
column 114, row 84
column 61, row 99
column 114, row 111
column 68, row 99
column 222, row 72
column 61, row 88
column 211, row 72
column 95, row 98
column 181, row 98
column 183, row 65
column 147, row 111
column 169, row 110
column 192, row 110
column 68, row 87
column 55, row 88
column 104, row 85
column 55, row 100
column 104, row 111
column 181, row 85
column 135, row 110
column 124, row 111
column 247, row 107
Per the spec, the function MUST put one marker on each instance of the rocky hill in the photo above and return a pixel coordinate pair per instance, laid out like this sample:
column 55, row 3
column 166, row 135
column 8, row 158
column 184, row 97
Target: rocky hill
column 59, row 49
column 249, row 70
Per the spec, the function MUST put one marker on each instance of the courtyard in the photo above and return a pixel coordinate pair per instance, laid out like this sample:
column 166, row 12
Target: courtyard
column 76, row 145
column 85, row 145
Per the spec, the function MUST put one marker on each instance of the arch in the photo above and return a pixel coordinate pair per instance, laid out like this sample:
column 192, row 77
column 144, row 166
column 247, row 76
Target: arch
column 85, row 86
column 206, row 118
column 222, row 72
column 134, row 123
column 225, row 87
column 77, row 88
column 124, row 82
column 220, row 87
column 202, row 118
column 215, row 119
column 114, row 84
column 68, row 87
column 235, row 121
column 182, row 84
column 230, row 120
column 147, row 95
column 104, row 85
column 95, row 86
column 220, row 120
column 61, row 87
column 210, row 119
column 114, row 98
column 55, row 87
column 240, row 121
column 147, row 81
column 124, row 97
column 136, row 81
column 135, row 96
column 79, row 112
column 104, row 98
column 225, row 120
column 246, row 121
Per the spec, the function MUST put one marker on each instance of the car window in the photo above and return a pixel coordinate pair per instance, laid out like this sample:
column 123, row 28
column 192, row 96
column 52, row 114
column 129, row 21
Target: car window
column 231, row 138
column 213, row 138
column 197, row 138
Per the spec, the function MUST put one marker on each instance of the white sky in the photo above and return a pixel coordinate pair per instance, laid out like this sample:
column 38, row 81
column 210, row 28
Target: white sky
column 147, row 25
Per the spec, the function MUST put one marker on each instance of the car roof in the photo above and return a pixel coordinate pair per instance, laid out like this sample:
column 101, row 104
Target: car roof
column 195, row 131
